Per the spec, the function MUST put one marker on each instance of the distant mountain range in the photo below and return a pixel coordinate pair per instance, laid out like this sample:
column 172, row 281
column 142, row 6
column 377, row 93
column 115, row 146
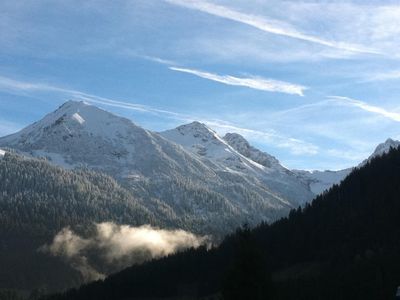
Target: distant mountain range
column 189, row 175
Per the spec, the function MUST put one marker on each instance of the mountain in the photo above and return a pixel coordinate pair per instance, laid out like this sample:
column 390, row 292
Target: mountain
column 207, row 188
column 232, row 154
column 344, row 245
column 241, row 145
column 320, row 181
column 382, row 148
column 316, row 181
column 78, row 134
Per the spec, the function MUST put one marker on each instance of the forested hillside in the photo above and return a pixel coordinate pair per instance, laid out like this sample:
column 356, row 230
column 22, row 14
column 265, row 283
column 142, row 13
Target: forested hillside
column 345, row 245
column 37, row 200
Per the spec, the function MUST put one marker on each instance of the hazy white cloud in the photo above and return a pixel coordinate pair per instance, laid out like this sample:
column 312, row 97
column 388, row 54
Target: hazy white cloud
column 391, row 75
column 355, row 155
column 113, row 247
column 257, row 83
column 267, row 25
column 71, row 247
column 367, row 107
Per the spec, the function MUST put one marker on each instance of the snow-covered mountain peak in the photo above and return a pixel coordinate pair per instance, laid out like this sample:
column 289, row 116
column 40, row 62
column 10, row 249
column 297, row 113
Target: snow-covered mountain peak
column 197, row 130
column 89, row 117
column 234, row 155
column 72, row 105
column 385, row 147
column 381, row 149
column 200, row 139
column 320, row 181
column 240, row 144
column 236, row 139
column 74, row 118
column 78, row 134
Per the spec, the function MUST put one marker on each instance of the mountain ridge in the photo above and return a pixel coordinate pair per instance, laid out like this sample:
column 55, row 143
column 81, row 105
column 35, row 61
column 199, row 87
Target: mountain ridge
column 200, row 194
column 251, row 185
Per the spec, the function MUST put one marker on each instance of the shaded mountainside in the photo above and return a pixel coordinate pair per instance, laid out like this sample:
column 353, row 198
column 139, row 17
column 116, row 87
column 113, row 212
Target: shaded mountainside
column 344, row 245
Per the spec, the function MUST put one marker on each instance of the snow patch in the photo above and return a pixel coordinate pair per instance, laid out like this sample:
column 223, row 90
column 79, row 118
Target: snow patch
column 78, row 118
column 2, row 153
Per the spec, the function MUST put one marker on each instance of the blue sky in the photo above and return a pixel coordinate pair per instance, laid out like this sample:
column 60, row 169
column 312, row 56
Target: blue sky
column 314, row 83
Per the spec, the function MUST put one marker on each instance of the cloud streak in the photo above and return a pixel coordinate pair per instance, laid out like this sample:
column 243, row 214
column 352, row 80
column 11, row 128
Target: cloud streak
column 8, row 84
column 113, row 247
column 268, row 25
column 257, row 83
column 296, row 146
column 367, row 107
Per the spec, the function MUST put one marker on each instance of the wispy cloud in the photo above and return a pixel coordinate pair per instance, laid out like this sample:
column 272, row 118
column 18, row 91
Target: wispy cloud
column 367, row 107
column 295, row 146
column 257, row 83
column 158, row 60
column 7, row 84
column 135, row 54
column 391, row 75
column 11, row 84
column 268, row 25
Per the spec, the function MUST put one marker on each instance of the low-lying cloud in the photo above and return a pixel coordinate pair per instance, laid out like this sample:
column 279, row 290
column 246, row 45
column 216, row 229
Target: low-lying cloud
column 112, row 247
